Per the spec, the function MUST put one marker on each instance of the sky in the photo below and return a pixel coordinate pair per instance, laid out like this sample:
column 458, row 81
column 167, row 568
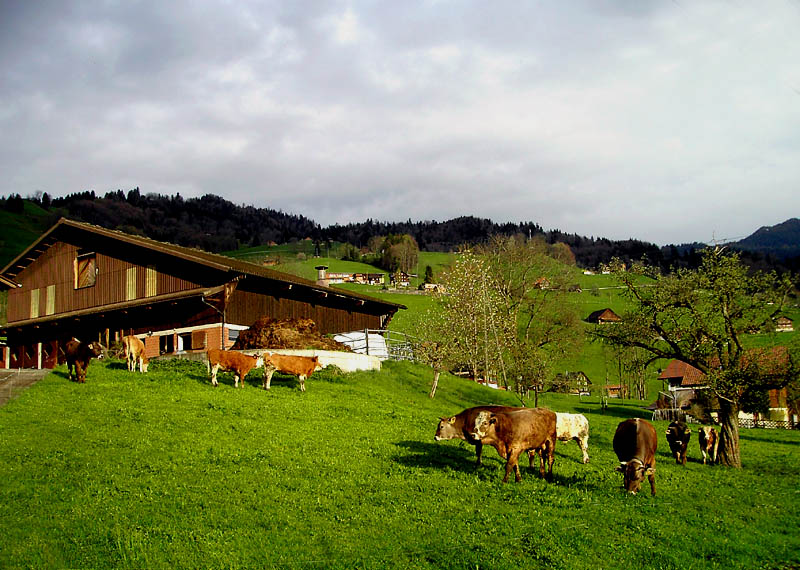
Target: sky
column 665, row 121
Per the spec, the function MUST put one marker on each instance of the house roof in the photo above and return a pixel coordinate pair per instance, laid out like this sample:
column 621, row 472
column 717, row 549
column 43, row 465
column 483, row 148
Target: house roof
column 603, row 315
column 688, row 374
column 220, row 262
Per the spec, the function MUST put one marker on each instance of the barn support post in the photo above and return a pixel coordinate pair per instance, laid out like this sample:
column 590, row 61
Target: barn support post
column 38, row 355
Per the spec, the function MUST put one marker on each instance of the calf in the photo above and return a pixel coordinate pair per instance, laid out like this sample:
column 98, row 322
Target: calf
column 707, row 436
column 134, row 353
column 513, row 432
column 574, row 426
column 635, row 443
column 236, row 362
column 300, row 366
column 78, row 356
column 678, row 435
column 460, row 426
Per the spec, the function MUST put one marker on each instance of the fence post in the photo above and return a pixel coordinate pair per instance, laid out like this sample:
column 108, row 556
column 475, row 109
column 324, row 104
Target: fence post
column 366, row 340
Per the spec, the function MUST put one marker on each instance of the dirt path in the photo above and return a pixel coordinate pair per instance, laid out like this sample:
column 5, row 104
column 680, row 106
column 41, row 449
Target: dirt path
column 13, row 382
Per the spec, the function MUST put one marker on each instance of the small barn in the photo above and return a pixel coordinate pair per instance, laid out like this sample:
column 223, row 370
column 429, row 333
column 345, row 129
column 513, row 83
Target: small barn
column 92, row 283
column 784, row 324
column 604, row 317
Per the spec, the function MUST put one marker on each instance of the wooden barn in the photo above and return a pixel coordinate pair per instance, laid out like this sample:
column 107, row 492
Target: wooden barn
column 604, row 317
column 93, row 283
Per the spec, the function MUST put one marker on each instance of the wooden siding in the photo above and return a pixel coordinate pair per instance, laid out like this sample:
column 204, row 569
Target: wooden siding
column 54, row 272
column 246, row 307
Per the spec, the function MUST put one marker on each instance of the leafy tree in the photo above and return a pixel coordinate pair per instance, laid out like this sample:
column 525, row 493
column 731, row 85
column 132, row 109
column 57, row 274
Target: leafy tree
column 703, row 316
column 400, row 253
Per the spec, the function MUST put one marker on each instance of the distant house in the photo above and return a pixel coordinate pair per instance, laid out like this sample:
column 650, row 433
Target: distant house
column 541, row 283
column 613, row 391
column 604, row 317
column 784, row 324
column 575, row 383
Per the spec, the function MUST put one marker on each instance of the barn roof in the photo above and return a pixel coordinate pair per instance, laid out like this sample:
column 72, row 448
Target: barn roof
column 64, row 227
column 686, row 373
column 603, row 315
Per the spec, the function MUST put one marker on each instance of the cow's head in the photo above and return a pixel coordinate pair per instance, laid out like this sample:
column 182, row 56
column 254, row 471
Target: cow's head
column 96, row 350
column 483, row 422
column 633, row 473
column 259, row 358
column 317, row 363
column 446, row 429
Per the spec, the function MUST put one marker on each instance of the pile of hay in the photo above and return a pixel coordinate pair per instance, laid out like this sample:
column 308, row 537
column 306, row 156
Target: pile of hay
column 300, row 334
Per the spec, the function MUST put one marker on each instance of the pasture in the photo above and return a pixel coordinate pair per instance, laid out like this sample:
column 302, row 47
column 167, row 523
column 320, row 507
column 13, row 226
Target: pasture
column 162, row 470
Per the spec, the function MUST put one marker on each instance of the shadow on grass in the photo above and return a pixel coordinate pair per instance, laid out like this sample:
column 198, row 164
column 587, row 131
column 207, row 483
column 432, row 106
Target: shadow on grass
column 617, row 411
column 423, row 454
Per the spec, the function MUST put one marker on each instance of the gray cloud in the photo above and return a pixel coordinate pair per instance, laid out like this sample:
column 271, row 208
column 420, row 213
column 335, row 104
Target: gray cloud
column 663, row 121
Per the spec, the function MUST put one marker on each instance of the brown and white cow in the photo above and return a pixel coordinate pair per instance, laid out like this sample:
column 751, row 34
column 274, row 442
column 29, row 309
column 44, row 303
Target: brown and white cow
column 134, row 353
column 78, row 356
column 238, row 363
column 635, row 443
column 514, row 432
column 709, row 440
column 574, row 426
column 461, row 426
column 678, row 436
column 300, row 366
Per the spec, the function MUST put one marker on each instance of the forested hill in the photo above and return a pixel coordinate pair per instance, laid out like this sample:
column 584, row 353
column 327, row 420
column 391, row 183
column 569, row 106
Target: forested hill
column 215, row 224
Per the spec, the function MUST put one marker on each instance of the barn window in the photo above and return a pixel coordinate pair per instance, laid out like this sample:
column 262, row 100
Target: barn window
column 130, row 284
column 34, row 303
column 85, row 270
column 184, row 342
column 50, row 306
column 151, row 282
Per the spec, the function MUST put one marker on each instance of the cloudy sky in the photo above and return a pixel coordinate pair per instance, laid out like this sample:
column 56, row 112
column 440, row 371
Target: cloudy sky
column 668, row 121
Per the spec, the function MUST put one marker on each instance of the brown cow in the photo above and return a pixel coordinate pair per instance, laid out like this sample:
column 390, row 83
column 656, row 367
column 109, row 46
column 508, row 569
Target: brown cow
column 236, row 362
column 635, row 443
column 707, row 436
column 461, row 426
column 78, row 356
column 512, row 432
column 300, row 366
column 678, row 436
column 134, row 353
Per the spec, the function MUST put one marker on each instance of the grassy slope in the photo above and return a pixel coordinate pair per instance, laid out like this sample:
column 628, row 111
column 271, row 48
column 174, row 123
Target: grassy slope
column 162, row 470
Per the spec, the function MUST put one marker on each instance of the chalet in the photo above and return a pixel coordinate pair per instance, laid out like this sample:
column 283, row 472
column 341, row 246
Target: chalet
column 784, row 324
column 604, row 317
column 575, row 383
column 89, row 282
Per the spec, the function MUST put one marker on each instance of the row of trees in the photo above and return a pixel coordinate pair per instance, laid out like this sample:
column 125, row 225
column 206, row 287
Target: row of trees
column 503, row 316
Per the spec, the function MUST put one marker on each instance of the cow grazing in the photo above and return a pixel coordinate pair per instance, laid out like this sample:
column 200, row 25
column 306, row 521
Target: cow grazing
column 461, row 426
column 300, row 366
column 635, row 443
column 236, row 362
column 513, row 432
column 134, row 353
column 574, row 426
column 678, row 435
column 707, row 436
column 78, row 356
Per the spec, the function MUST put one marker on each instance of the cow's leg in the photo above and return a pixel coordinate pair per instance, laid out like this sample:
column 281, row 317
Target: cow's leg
column 652, row 478
column 583, row 443
column 302, row 379
column 236, row 375
column 550, row 446
column 478, row 452
column 512, row 462
column 214, row 369
column 80, row 372
column 268, row 372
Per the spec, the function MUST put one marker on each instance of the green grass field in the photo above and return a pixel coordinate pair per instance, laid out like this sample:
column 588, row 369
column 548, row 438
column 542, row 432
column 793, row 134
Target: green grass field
column 162, row 470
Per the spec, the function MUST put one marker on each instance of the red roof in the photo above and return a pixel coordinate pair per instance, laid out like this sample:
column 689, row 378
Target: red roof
column 688, row 374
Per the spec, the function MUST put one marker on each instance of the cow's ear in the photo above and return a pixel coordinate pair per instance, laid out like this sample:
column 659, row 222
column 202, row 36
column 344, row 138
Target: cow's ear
column 650, row 471
column 621, row 466
column 493, row 420
column 452, row 420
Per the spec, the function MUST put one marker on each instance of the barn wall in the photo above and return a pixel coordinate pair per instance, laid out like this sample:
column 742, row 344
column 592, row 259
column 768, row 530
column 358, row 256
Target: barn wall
column 246, row 307
column 55, row 267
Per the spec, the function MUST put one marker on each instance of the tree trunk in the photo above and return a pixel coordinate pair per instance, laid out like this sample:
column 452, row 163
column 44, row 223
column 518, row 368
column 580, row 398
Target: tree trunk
column 435, row 383
column 729, row 434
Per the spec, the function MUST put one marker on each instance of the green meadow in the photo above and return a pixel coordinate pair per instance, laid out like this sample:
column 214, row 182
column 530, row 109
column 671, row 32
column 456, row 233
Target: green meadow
column 163, row 470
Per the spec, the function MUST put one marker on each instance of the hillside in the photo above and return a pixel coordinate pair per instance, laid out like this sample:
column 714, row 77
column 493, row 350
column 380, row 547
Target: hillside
column 781, row 240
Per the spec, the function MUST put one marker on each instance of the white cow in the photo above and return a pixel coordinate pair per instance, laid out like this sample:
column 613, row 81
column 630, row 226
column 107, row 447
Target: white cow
column 574, row 426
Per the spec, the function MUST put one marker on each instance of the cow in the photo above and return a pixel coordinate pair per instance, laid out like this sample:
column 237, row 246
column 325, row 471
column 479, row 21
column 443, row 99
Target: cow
column 134, row 353
column 707, row 436
column 300, row 366
column 635, row 443
column 678, row 435
column 236, row 362
column 78, row 356
column 574, row 426
column 460, row 426
column 513, row 432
